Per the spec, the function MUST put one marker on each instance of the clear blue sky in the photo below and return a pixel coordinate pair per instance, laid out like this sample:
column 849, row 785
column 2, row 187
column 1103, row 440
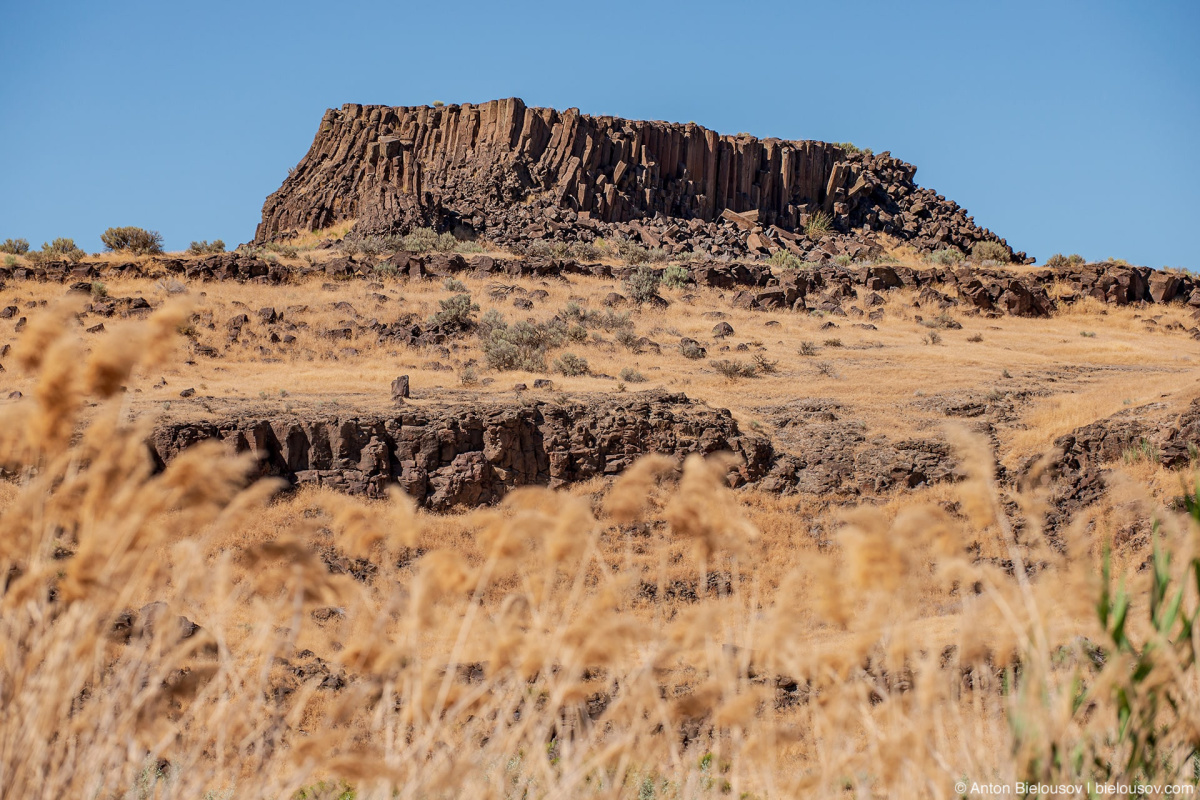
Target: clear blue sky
column 1063, row 126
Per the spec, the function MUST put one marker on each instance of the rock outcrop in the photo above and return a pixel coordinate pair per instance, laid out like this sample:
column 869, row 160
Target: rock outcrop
column 1077, row 471
column 512, row 173
column 449, row 456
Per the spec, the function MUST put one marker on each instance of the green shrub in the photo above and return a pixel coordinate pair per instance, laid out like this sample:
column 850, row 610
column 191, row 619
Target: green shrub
column 61, row 249
column 10, row 260
column 990, row 251
column 468, row 247
column 454, row 285
column 455, row 313
column 818, row 225
column 642, row 284
column 676, row 277
column 843, row 260
column 522, row 345
column 631, row 375
column 16, row 247
column 1059, row 261
column 424, row 240
column 947, row 256
column 205, row 247
column 785, row 260
column 130, row 239
column 570, row 365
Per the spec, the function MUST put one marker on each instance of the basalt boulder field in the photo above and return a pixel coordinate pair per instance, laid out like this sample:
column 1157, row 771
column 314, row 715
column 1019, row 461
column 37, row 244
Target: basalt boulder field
column 514, row 174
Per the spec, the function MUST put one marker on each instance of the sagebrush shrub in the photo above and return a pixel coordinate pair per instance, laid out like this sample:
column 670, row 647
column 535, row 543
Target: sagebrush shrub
column 205, row 247
column 570, row 365
column 16, row 247
column 946, row 256
column 520, row 346
column 785, row 260
column 455, row 313
column 130, row 239
column 61, row 249
column 676, row 277
column 990, row 251
column 642, row 284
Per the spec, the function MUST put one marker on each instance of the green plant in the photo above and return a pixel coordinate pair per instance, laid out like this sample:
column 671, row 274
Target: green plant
column 16, row 247
column 10, row 260
column 631, row 375
column 1088, row 334
column 990, row 251
column 131, row 239
column 642, row 284
column 520, row 346
column 205, row 247
column 99, row 289
column 1144, row 450
column 785, row 260
column 818, row 224
column 570, row 364
column 61, row 249
column 424, row 240
column 676, row 277
column 946, row 256
column 455, row 313
column 1059, row 261
column 843, row 260
column 469, row 247
column 454, row 285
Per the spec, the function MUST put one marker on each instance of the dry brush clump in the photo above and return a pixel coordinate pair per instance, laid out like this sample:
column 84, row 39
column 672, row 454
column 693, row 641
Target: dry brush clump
column 183, row 633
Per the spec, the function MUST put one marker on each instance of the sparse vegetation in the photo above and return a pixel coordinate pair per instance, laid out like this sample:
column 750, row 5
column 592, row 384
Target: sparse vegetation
column 819, row 223
column 61, row 249
column 570, row 365
column 946, row 256
column 16, row 247
column 990, row 251
column 733, row 370
column 676, row 277
column 1059, row 261
column 456, row 313
column 631, row 375
column 205, row 247
column 520, row 346
column 130, row 239
column 785, row 260
column 642, row 284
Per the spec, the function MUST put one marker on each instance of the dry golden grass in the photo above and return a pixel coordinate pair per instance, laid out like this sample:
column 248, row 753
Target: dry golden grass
column 888, row 378
column 565, row 644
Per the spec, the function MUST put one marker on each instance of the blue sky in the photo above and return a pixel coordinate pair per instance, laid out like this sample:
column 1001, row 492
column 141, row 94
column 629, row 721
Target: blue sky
column 1063, row 126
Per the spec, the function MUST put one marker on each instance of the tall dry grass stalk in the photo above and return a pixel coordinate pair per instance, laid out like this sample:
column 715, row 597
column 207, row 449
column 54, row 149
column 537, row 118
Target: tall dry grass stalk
column 149, row 649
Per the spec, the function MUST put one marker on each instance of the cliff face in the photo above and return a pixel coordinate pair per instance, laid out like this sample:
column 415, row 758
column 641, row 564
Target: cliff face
column 498, row 167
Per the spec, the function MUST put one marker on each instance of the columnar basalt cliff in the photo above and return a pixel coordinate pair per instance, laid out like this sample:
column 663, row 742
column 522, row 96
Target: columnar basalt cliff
column 512, row 173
